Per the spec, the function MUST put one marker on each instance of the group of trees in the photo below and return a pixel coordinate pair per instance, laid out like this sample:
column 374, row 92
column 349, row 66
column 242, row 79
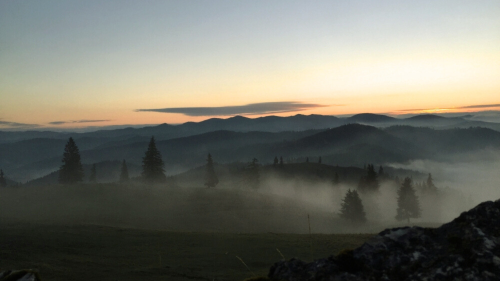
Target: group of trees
column 71, row 171
column 408, row 203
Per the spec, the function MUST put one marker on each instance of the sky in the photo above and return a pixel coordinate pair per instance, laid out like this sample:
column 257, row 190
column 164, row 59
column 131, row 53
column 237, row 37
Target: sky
column 100, row 63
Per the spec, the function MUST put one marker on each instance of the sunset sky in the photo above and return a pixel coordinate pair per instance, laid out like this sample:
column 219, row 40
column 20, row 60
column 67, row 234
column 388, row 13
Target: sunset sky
column 100, row 63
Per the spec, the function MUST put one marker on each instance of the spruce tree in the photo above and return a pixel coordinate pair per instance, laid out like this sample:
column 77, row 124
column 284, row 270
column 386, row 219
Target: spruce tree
column 408, row 204
column 352, row 207
column 429, row 186
column 381, row 172
column 71, row 171
column 275, row 163
column 336, row 180
column 124, row 173
column 152, row 164
column 319, row 160
column 93, row 174
column 3, row 181
column 211, row 179
column 369, row 183
column 281, row 161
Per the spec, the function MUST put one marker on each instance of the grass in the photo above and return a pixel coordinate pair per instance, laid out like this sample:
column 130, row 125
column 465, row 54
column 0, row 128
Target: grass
column 88, row 252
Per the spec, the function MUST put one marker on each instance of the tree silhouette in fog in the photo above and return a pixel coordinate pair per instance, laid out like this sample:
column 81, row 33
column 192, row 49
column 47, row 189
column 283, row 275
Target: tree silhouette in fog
column 275, row 163
column 3, row 181
column 211, row 179
column 369, row 183
column 152, row 164
column 429, row 186
column 93, row 174
column 408, row 204
column 71, row 171
column 352, row 207
column 381, row 173
column 124, row 172
column 336, row 180
column 252, row 174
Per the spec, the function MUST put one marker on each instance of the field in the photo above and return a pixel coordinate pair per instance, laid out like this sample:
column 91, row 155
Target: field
column 88, row 252
column 114, row 232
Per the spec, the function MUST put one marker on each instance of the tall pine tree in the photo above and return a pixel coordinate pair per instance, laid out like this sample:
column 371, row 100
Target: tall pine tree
column 336, row 180
column 211, row 179
column 369, row 183
column 71, row 171
column 124, row 172
column 408, row 204
column 152, row 164
column 352, row 207
column 429, row 187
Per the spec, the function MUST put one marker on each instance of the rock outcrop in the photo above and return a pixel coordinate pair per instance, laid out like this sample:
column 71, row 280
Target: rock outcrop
column 468, row 248
column 19, row 275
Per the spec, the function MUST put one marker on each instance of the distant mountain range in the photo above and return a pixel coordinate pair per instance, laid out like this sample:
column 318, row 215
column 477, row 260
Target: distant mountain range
column 264, row 124
column 343, row 141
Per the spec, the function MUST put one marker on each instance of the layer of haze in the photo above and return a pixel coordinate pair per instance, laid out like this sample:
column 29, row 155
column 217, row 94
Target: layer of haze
column 278, row 205
column 64, row 61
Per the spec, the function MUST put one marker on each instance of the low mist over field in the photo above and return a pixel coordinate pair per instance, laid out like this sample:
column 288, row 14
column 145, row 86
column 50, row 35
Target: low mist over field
column 285, row 196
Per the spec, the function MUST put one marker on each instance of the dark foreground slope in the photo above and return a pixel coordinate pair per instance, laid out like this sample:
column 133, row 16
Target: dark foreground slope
column 468, row 248
column 85, row 252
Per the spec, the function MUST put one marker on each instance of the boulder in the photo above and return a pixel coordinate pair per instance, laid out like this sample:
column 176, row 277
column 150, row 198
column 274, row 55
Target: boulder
column 467, row 248
column 19, row 275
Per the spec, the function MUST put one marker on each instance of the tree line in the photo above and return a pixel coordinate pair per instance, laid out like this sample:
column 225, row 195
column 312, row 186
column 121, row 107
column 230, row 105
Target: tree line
column 71, row 171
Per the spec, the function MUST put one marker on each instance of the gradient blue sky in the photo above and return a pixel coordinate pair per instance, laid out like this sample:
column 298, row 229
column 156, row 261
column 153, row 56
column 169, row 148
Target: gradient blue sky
column 80, row 63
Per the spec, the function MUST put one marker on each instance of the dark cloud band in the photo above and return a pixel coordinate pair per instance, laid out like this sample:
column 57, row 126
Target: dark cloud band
column 480, row 106
column 249, row 109
column 77, row 121
column 16, row 125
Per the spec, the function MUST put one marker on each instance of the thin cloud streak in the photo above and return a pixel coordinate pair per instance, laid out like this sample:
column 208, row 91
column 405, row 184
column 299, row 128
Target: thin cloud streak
column 451, row 108
column 15, row 125
column 248, row 109
column 76, row 121
column 480, row 106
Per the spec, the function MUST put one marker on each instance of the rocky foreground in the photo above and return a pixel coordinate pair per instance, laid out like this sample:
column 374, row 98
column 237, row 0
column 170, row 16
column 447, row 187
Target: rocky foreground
column 468, row 248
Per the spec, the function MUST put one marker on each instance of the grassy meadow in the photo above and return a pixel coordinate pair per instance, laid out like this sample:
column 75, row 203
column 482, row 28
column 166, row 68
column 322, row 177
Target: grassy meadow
column 87, row 252
column 131, row 232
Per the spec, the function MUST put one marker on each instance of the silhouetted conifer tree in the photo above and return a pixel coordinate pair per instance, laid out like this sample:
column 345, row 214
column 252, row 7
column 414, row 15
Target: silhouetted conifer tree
column 93, row 174
column 428, row 186
column 336, row 180
column 381, row 172
column 408, row 204
column 281, row 161
column 252, row 174
column 352, row 207
column 319, row 160
column 211, row 179
column 71, row 171
column 307, row 159
column 3, row 181
column 369, row 183
column 124, row 172
column 275, row 161
column 152, row 164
